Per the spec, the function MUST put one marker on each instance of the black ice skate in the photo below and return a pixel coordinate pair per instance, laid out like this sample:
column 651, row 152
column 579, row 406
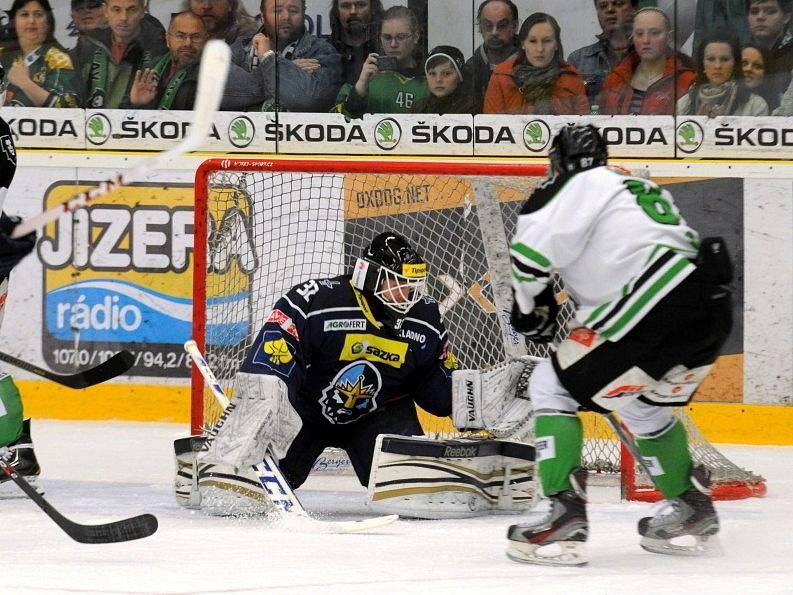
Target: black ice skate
column 685, row 526
column 23, row 460
column 558, row 533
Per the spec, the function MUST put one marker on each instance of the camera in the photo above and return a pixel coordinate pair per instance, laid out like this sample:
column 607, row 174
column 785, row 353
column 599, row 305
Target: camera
column 387, row 63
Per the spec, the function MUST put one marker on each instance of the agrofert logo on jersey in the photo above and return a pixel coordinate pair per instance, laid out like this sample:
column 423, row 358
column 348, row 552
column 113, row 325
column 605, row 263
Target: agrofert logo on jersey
column 352, row 393
column 241, row 132
column 536, row 135
column 387, row 134
column 98, row 129
column 689, row 136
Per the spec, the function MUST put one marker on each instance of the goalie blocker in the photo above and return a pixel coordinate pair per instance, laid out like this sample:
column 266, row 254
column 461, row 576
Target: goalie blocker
column 423, row 478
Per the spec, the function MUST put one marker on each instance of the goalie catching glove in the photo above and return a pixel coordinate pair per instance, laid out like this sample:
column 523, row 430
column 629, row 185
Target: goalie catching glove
column 539, row 325
column 495, row 399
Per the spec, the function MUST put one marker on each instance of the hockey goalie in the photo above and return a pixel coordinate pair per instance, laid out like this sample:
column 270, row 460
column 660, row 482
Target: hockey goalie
column 342, row 362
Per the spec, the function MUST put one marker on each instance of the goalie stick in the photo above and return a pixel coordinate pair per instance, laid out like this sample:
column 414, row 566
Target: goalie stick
column 269, row 474
column 211, row 83
column 136, row 527
column 113, row 366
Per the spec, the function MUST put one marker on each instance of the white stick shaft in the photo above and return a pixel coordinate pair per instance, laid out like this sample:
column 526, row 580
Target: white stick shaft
column 211, row 84
column 191, row 347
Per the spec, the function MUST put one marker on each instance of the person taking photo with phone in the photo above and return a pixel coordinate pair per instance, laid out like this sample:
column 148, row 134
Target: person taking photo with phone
column 393, row 81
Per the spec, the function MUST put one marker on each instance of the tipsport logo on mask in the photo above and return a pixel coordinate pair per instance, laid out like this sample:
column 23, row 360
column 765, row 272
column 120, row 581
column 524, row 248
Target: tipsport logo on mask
column 118, row 274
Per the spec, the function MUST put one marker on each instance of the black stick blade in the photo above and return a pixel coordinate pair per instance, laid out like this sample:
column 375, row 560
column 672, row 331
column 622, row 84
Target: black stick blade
column 110, row 368
column 125, row 530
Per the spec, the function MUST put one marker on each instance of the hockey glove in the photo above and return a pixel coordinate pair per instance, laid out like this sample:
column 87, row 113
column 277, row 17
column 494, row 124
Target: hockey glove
column 539, row 326
column 12, row 250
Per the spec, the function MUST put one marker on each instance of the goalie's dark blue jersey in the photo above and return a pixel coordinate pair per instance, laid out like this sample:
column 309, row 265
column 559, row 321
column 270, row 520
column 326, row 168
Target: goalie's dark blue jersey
column 326, row 341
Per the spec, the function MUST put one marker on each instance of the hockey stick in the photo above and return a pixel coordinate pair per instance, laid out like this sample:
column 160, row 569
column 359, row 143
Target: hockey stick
column 211, row 83
column 269, row 474
column 113, row 366
column 629, row 443
column 136, row 527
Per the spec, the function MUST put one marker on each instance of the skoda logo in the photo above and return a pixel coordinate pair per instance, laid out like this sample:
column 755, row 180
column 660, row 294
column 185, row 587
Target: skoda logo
column 97, row 129
column 536, row 135
column 387, row 134
column 689, row 136
column 241, row 132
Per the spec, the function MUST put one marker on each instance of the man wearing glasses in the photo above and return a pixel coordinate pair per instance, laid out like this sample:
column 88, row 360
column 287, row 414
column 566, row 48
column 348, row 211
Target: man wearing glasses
column 498, row 24
column 171, row 84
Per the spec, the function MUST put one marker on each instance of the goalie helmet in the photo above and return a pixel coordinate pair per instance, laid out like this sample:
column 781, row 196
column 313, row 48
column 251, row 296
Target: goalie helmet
column 576, row 148
column 392, row 271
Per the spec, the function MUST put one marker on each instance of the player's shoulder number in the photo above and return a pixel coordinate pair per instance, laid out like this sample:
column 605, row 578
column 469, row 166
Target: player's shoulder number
column 651, row 199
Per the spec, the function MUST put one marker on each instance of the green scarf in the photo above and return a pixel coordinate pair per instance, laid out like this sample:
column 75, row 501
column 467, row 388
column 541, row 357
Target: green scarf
column 172, row 88
column 97, row 79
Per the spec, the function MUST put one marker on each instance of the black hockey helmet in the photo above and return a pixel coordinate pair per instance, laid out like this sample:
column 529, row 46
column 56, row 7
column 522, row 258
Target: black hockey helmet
column 576, row 148
column 392, row 271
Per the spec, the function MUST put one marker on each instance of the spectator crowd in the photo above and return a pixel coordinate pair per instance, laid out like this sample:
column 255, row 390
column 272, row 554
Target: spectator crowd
column 375, row 60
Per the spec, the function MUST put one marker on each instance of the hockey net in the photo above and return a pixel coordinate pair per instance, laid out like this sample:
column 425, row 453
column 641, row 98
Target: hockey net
column 264, row 226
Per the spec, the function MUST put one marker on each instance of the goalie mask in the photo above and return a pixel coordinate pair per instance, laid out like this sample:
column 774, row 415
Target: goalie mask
column 576, row 148
column 392, row 271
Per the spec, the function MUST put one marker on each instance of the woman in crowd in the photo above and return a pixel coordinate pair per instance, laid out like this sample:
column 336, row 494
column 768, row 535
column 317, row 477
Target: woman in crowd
column 40, row 72
column 650, row 79
column 392, row 82
column 449, row 93
column 719, row 88
column 537, row 80
column 753, row 61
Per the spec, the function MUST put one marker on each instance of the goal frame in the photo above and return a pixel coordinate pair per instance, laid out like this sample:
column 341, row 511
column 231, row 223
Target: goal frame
column 628, row 467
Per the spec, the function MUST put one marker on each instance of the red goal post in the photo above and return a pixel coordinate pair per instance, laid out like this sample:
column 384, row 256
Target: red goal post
column 273, row 223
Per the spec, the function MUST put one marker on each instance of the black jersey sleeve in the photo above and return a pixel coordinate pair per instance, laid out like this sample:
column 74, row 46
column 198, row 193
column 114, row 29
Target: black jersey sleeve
column 432, row 388
column 281, row 347
column 8, row 158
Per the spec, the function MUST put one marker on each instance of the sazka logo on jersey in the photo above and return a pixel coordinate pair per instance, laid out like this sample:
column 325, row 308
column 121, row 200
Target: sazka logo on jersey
column 352, row 393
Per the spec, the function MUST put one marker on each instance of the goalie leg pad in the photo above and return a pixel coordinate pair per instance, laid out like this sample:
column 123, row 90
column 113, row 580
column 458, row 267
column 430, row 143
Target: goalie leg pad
column 439, row 479
column 259, row 418
column 228, row 491
column 217, row 490
column 185, row 482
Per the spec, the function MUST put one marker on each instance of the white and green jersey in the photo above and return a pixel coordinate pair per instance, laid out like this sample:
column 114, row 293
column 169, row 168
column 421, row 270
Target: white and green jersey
column 618, row 242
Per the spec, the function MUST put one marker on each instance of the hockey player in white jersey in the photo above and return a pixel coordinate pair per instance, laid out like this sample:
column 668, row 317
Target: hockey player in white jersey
column 652, row 313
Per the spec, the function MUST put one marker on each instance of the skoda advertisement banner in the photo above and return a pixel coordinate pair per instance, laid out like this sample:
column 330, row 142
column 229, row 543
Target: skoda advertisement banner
column 136, row 130
column 39, row 128
column 118, row 275
column 734, row 137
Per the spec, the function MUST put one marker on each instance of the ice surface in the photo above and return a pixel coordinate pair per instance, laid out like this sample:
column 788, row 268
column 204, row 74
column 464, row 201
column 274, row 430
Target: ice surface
column 99, row 471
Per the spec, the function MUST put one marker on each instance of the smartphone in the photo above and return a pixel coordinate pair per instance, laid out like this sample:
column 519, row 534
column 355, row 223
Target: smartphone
column 387, row 63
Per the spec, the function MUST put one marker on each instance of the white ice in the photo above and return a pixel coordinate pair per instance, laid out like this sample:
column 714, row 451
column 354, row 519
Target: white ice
column 97, row 472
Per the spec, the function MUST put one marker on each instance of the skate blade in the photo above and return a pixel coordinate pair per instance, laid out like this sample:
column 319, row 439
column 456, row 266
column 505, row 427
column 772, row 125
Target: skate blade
column 560, row 553
column 703, row 545
column 10, row 491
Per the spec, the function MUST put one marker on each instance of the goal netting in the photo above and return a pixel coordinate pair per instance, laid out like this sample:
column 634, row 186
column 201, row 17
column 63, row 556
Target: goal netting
column 263, row 226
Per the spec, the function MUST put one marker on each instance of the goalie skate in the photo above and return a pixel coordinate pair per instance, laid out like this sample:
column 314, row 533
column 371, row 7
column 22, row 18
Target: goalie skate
column 22, row 458
column 686, row 525
column 558, row 531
